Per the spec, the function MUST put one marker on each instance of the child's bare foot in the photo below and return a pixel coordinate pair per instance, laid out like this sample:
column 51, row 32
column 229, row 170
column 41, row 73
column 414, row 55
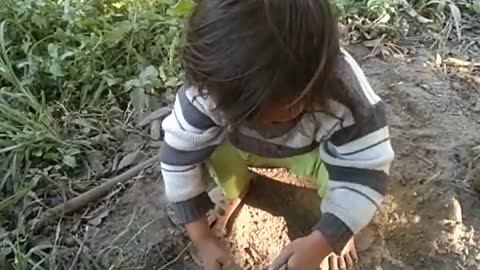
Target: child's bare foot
column 345, row 261
column 219, row 216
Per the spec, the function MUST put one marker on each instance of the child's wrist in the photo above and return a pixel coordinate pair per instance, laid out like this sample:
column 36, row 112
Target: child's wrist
column 320, row 242
column 198, row 230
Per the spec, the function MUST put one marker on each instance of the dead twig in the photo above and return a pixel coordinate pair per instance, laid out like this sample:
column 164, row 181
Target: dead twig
column 92, row 195
column 176, row 258
column 460, row 63
column 79, row 251
column 432, row 177
column 426, row 160
column 458, row 183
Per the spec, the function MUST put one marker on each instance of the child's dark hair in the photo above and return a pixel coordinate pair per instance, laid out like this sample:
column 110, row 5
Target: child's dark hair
column 245, row 53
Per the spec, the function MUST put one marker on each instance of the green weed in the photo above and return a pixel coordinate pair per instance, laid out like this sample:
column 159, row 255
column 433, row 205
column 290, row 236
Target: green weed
column 68, row 69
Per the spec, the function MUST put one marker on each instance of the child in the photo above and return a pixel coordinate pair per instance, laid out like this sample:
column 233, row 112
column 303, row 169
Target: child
column 268, row 86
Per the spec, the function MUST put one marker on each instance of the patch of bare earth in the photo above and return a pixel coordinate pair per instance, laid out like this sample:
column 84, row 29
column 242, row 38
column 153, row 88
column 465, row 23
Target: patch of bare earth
column 430, row 220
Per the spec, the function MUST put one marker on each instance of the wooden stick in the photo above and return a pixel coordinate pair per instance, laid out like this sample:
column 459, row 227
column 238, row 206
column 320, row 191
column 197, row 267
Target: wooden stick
column 92, row 195
column 176, row 258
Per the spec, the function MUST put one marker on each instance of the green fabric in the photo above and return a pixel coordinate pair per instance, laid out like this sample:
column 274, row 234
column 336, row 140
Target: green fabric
column 228, row 166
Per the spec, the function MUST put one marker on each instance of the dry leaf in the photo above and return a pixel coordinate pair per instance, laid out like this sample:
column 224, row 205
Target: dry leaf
column 97, row 220
column 455, row 213
column 155, row 129
column 438, row 60
column 476, row 7
column 131, row 159
column 373, row 43
column 460, row 63
column 155, row 115
column 457, row 19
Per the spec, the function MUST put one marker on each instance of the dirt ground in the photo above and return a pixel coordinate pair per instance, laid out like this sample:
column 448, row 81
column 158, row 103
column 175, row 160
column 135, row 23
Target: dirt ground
column 430, row 220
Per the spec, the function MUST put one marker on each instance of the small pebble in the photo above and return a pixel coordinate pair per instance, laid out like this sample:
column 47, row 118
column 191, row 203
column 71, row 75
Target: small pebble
column 70, row 242
column 478, row 257
column 456, row 86
column 476, row 107
column 416, row 219
column 425, row 86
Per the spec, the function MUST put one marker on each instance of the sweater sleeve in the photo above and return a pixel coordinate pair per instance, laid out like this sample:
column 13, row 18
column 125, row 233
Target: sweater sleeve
column 357, row 158
column 191, row 135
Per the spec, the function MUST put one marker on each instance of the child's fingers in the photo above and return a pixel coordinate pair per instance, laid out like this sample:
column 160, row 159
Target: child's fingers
column 325, row 265
column 282, row 259
column 348, row 260
column 353, row 255
column 333, row 262
column 342, row 265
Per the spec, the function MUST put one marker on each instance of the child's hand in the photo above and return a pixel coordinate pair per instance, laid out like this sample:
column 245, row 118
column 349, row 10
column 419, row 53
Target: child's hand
column 305, row 253
column 214, row 255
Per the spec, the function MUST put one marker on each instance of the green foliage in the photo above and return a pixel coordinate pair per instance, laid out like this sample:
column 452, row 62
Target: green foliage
column 371, row 9
column 68, row 69
column 369, row 19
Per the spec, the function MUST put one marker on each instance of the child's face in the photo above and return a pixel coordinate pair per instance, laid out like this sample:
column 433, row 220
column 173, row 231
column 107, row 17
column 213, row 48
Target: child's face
column 277, row 112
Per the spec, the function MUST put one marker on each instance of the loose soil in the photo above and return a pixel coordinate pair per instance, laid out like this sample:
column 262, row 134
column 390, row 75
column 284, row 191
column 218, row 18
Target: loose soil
column 430, row 219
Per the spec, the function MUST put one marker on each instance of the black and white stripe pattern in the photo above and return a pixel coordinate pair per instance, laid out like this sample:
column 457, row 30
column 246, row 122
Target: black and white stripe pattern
column 358, row 158
column 356, row 151
column 190, row 138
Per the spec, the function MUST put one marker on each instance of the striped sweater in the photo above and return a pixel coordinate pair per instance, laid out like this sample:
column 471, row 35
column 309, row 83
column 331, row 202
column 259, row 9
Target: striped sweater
column 356, row 151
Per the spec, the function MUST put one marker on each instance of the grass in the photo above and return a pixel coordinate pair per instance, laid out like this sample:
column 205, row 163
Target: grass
column 70, row 69
column 65, row 78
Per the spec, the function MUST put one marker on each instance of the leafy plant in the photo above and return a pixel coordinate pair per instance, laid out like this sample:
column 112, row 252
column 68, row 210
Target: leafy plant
column 59, row 68
column 68, row 70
